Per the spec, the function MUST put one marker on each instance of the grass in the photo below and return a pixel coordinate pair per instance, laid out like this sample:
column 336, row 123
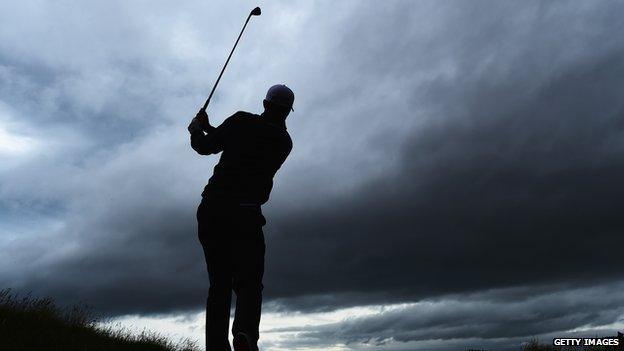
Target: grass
column 29, row 323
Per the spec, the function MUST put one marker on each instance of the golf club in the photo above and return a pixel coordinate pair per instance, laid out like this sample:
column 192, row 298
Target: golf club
column 254, row 12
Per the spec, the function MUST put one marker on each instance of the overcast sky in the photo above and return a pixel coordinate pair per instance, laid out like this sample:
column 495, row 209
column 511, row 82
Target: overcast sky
column 455, row 181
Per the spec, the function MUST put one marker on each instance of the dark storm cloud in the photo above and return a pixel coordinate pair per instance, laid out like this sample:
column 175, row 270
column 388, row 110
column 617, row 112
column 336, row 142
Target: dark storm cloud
column 467, row 319
column 512, row 179
column 439, row 149
column 472, row 321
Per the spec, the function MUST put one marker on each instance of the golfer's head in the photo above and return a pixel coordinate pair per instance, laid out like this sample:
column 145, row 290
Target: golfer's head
column 279, row 101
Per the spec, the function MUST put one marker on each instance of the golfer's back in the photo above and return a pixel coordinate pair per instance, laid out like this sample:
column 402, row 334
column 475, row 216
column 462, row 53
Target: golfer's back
column 252, row 152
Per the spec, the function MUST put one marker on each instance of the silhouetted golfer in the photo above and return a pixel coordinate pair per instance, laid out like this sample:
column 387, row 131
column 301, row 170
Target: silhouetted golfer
column 229, row 216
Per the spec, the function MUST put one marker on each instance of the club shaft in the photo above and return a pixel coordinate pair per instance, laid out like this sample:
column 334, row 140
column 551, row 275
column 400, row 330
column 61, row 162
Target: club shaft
column 226, row 63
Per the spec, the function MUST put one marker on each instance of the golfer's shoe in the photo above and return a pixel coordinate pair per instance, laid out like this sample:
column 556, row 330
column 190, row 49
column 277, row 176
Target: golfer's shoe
column 242, row 342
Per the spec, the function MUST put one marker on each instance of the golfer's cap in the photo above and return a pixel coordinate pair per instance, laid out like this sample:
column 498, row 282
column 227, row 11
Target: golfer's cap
column 281, row 95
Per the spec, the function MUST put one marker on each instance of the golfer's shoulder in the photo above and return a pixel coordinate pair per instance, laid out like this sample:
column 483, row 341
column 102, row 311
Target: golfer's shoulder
column 239, row 117
column 243, row 116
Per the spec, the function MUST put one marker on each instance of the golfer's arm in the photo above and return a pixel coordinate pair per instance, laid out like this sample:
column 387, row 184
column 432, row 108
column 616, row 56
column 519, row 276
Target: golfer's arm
column 212, row 141
column 207, row 144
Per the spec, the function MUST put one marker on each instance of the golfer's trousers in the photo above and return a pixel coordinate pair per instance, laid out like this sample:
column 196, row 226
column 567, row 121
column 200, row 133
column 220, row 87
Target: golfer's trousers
column 233, row 242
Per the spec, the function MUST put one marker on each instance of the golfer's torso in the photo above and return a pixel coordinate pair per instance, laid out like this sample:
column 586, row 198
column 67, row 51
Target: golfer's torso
column 253, row 152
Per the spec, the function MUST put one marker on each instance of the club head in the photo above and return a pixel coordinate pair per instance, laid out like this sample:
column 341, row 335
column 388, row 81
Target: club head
column 256, row 12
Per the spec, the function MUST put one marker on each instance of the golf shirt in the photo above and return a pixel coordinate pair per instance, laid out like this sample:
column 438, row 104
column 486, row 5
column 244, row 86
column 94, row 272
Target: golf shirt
column 252, row 152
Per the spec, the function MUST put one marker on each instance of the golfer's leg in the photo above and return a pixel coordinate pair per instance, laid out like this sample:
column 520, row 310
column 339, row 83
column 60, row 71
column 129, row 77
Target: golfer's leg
column 248, row 284
column 213, row 237
column 218, row 309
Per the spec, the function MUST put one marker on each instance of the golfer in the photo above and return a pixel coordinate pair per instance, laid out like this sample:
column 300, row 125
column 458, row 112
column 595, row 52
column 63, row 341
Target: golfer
column 229, row 217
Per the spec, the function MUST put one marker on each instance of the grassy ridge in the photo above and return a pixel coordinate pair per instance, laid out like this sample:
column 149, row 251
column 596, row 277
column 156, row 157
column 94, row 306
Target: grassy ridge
column 38, row 324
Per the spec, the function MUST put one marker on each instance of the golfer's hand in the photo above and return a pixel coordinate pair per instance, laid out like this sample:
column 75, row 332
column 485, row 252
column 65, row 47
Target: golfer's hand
column 200, row 122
